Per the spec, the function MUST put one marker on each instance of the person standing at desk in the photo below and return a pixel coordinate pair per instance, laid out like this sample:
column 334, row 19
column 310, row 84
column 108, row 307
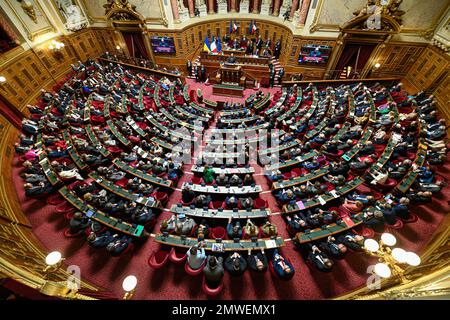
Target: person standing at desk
column 277, row 49
column 272, row 77
column 259, row 44
column 231, row 59
column 189, row 67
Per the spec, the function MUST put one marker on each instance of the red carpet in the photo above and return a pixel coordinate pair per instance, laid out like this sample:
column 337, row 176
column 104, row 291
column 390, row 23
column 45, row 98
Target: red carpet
column 172, row 282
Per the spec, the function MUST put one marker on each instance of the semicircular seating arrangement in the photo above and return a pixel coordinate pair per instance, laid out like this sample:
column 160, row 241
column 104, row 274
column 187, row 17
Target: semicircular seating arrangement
column 111, row 148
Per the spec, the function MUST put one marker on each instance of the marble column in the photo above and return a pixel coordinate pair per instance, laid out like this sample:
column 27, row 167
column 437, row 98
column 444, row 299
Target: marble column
column 191, row 8
column 232, row 5
column 255, row 6
column 276, row 8
column 304, row 12
column 176, row 14
column 211, row 7
column 294, row 7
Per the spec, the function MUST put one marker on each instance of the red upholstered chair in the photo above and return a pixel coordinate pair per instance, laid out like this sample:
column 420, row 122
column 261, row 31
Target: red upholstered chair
column 55, row 199
column 379, row 147
column 217, row 205
column 193, row 272
column 65, row 207
column 397, row 225
column 122, row 182
column 290, row 230
column 158, row 259
column 218, row 232
column 186, row 203
column 389, row 184
column 365, row 232
column 69, row 234
column 260, row 203
column 177, row 257
column 212, row 292
column 196, row 180
column 334, row 156
column 161, row 197
column 411, row 219
column 69, row 215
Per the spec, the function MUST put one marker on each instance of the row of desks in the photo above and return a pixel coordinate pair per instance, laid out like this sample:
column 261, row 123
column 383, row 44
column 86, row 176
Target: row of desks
column 133, row 230
column 223, row 245
column 244, row 190
column 108, row 185
column 163, row 182
column 226, row 171
column 221, row 214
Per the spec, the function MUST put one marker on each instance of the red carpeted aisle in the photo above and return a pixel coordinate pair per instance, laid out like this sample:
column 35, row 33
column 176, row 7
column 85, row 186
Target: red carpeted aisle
column 173, row 283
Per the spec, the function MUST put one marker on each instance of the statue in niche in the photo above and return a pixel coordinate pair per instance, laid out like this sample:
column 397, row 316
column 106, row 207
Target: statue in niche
column 199, row 3
column 28, row 7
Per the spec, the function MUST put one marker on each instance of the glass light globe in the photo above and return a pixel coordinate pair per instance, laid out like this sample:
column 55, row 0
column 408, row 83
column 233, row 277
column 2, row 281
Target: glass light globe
column 129, row 283
column 118, row 47
column 412, row 259
column 62, row 45
column 53, row 258
column 2, row 79
column 399, row 255
column 371, row 245
column 388, row 239
column 377, row 65
column 50, row 47
column 382, row 270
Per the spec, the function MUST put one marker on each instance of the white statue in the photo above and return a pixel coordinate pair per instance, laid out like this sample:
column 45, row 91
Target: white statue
column 199, row 3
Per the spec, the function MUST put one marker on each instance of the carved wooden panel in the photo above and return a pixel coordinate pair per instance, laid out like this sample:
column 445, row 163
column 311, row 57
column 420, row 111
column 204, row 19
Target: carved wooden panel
column 86, row 44
column 428, row 68
column 396, row 59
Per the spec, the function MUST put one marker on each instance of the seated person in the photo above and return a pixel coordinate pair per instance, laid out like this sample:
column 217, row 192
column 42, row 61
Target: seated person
column 78, row 223
column 213, row 271
column 257, row 261
column 222, row 180
column 196, row 256
column 118, row 246
column 208, row 175
column 269, row 230
column 202, row 201
column 187, row 195
column 282, row 267
column 320, row 259
column 234, row 231
column 248, row 180
column 336, row 250
column 246, row 203
column 352, row 241
column 374, row 220
column 102, row 240
column 401, row 208
column 231, row 202
column 353, row 206
column 250, row 229
column 235, row 264
column 296, row 223
column 235, row 180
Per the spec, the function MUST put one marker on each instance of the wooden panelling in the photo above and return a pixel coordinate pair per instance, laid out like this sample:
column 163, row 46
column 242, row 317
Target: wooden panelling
column 39, row 67
column 428, row 68
column 397, row 58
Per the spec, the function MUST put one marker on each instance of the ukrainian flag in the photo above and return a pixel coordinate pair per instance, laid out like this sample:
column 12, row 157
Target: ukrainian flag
column 206, row 45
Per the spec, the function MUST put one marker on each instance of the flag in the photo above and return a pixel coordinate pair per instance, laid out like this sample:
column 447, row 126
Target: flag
column 231, row 26
column 235, row 27
column 254, row 27
column 219, row 45
column 206, row 45
column 250, row 27
column 213, row 45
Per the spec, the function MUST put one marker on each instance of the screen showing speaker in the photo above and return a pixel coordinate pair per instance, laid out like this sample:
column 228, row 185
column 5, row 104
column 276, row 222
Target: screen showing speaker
column 162, row 44
column 314, row 54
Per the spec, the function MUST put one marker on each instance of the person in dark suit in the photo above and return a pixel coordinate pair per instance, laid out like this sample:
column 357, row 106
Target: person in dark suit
column 333, row 248
column 320, row 259
column 257, row 261
column 231, row 59
column 235, row 264
column 259, row 44
column 277, row 50
column 282, row 267
column 203, row 73
column 213, row 271
column 234, row 231
column 280, row 75
column 272, row 77
column 100, row 241
column 118, row 246
column 353, row 241
column 187, row 195
column 78, row 223
column 189, row 67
